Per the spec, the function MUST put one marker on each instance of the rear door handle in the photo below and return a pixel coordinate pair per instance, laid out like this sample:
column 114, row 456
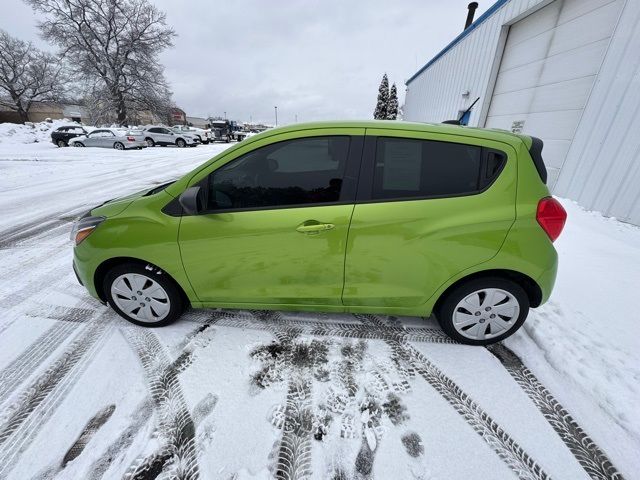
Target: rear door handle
column 313, row 227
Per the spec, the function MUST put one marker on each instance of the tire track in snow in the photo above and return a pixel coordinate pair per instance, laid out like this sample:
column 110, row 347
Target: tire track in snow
column 293, row 452
column 175, row 425
column 341, row 330
column 35, row 284
column 591, row 458
column 23, row 419
column 512, row 454
column 32, row 229
column 32, row 357
column 140, row 416
column 90, row 429
column 489, row 430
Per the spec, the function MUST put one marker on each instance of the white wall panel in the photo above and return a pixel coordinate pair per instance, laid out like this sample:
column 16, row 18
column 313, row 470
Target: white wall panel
column 602, row 168
column 572, row 68
column 550, row 62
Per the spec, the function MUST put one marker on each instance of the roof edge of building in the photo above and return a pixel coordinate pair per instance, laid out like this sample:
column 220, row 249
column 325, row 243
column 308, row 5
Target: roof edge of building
column 490, row 11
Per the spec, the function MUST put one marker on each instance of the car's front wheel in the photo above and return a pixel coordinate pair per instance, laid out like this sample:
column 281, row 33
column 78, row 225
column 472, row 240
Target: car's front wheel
column 61, row 143
column 483, row 310
column 78, row 144
column 144, row 295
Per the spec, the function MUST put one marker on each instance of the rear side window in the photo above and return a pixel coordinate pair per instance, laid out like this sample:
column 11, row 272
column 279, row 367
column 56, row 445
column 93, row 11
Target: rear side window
column 409, row 168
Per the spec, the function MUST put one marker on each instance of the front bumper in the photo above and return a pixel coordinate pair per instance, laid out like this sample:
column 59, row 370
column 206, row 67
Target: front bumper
column 75, row 270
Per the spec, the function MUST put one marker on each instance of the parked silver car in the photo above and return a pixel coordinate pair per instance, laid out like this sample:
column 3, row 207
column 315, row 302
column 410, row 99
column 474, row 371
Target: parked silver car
column 111, row 138
column 164, row 136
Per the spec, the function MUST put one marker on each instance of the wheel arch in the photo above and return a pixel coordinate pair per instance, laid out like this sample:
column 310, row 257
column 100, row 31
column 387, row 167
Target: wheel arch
column 530, row 286
column 104, row 267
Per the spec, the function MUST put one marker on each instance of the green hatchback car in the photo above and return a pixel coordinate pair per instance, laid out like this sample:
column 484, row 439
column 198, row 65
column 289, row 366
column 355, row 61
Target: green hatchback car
column 372, row 217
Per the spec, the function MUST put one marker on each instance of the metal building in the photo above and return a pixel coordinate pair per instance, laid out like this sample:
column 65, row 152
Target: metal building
column 567, row 71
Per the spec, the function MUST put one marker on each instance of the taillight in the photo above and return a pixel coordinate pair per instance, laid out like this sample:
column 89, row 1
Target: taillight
column 131, row 139
column 551, row 216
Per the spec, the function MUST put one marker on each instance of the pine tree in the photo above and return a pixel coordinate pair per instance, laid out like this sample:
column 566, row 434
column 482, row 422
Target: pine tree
column 392, row 108
column 380, row 113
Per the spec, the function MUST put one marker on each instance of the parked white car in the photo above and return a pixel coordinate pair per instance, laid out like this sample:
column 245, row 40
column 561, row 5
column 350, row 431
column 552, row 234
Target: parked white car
column 203, row 136
column 164, row 136
column 120, row 139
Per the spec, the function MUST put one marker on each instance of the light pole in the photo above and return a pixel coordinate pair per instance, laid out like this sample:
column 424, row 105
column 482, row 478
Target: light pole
column 276, row 108
column 225, row 115
column 296, row 118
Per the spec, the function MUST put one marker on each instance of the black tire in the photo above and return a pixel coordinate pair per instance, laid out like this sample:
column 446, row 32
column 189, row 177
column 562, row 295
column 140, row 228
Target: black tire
column 445, row 311
column 61, row 143
column 78, row 144
column 175, row 299
column 150, row 142
column 118, row 146
column 181, row 143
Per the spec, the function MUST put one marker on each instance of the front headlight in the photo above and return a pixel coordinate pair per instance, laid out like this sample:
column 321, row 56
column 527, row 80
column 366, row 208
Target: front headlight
column 84, row 227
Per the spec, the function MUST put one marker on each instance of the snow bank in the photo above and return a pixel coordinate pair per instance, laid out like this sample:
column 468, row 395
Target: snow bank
column 15, row 133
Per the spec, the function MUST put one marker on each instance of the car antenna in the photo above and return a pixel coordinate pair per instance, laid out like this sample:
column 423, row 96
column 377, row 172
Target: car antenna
column 457, row 122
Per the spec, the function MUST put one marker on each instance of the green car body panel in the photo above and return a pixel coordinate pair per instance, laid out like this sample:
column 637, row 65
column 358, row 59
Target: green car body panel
column 391, row 257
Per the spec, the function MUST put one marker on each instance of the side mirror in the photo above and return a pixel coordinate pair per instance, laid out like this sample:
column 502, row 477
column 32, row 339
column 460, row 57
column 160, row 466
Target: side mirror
column 191, row 200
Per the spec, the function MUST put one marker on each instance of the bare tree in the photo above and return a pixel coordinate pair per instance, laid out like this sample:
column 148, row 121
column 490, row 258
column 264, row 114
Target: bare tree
column 114, row 47
column 27, row 75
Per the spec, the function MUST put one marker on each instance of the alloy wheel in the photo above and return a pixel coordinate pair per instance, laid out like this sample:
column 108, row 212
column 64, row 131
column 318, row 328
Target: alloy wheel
column 140, row 297
column 486, row 313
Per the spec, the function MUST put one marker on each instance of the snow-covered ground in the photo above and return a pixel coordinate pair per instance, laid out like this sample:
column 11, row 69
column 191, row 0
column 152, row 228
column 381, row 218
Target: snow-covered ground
column 221, row 395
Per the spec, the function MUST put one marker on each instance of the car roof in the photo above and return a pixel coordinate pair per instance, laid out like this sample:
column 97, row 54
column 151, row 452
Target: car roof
column 482, row 133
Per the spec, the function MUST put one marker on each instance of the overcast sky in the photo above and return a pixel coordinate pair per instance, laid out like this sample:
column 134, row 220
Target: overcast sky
column 317, row 59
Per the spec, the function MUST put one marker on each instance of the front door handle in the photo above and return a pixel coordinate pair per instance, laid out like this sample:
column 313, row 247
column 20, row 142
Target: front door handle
column 312, row 227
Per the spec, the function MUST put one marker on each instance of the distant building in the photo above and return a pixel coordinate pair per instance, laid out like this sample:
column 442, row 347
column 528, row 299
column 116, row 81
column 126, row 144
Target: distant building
column 40, row 111
column 562, row 70
column 177, row 116
column 197, row 122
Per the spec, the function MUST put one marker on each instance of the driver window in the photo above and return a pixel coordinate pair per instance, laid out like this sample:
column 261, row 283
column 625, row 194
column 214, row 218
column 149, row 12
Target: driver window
column 291, row 173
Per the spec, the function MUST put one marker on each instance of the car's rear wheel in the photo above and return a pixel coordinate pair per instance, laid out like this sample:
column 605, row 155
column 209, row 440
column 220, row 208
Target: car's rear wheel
column 483, row 310
column 150, row 142
column 78, row 144
column 143, row 295
column 118, row 146
column 181, row 143
column 61, row 143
